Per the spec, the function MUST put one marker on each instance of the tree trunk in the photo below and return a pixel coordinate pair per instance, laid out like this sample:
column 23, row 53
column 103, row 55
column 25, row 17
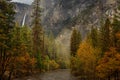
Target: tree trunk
column 10, row 74
column 117, row 75
column 9, row 78
column 109, row 77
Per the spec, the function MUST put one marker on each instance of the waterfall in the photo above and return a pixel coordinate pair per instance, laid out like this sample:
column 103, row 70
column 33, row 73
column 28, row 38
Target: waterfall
column 24, row 18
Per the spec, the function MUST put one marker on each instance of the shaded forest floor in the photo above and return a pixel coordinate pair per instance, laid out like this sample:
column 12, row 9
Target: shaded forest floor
column 61, row 74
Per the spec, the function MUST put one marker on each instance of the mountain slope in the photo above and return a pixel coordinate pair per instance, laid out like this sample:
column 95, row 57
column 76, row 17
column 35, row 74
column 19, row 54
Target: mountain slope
column 23, row 11
column 60, row 14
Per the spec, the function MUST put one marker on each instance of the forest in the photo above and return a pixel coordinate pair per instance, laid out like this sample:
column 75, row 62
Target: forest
column 27, row 50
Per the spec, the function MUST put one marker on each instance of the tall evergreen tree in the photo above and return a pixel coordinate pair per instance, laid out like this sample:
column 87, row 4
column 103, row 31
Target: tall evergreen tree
column 15, row 49
column 105, row 36
column 38, row 36
column 25, row 34
column 94, row 37
column 116, row 27
column 75, row 41
column 6, row 26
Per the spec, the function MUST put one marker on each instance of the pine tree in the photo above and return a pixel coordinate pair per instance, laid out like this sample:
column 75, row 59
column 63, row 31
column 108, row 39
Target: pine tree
column 21, row 48
column 75, row 41
column 105, row 36
column 38, row 36
column 25, row 34
column 6, row 26
column 94, row 37
column 116, row 27
column 15, row 49
column 79, row 39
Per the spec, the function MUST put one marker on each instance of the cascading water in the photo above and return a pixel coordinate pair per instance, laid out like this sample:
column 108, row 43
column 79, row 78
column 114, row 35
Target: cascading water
column 24, row 18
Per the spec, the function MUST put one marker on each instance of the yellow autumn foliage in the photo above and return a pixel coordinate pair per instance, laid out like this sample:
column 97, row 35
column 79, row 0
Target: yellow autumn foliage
column 50, row 65
column 83, row 64
column 53, row 65
column 86, row 55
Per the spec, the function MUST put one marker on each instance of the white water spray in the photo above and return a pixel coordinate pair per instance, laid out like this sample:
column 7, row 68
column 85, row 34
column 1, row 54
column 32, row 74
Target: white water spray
column 24, row 18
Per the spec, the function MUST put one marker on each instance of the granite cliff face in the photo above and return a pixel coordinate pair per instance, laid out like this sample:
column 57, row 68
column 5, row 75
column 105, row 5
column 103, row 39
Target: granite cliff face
column 23, row 14
column 60, row 14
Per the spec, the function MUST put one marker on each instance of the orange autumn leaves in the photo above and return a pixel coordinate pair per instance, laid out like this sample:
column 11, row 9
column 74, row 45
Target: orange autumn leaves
column 109, row 64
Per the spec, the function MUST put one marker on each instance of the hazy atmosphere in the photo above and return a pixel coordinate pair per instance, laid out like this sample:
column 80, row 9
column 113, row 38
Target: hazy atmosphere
column 60, row 40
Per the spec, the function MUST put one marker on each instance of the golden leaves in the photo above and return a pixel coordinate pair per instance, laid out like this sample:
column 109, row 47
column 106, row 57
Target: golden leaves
column 109, row 63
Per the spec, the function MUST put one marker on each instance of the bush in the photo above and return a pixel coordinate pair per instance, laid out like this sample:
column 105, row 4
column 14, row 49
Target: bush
column 53, row 65
column 24, row 65
column 50, row 64
column 76, row 66
column 64, row 63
